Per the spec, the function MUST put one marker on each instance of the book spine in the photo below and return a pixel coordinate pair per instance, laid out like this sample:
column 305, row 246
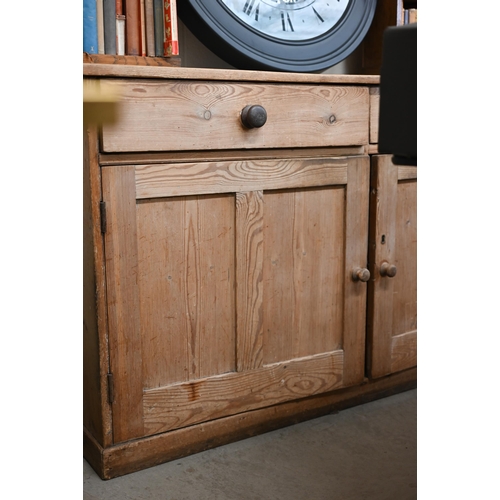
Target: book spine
column 150, row 28
column 143, row 28
column 133, row 28
column 100, row 27
column 412, row 16
column 90, row 26
column 110, row 27
column 120, row 35
column 159, row 28
column 171, row 38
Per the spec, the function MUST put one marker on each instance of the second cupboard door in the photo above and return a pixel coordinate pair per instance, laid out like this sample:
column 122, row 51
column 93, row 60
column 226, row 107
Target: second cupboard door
column 230, row 286
column 392, row 300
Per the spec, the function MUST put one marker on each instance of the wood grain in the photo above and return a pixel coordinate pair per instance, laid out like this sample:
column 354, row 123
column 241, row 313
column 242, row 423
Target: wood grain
column 404, row 351
column 406, row 173
column 118, row 187
column 142, row 453
column 155, row 181
column 97, row 412
column 392, row 302
column 187, row 404
column 384, row 184
column 134, row 61
column 404, row 317
column 374, row 113
column 303, row 272
column 133, row 71
column 179, row 115
column 356, row 251
column 249, row 292
column 186, row 280
column 115, row 159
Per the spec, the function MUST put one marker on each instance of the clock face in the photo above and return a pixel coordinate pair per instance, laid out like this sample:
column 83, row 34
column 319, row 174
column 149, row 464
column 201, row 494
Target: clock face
column 280, row 35
column 289, row 19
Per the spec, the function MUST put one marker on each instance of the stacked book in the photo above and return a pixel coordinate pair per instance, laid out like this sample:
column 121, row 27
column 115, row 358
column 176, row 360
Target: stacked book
column 409, row 16
column 130, row 27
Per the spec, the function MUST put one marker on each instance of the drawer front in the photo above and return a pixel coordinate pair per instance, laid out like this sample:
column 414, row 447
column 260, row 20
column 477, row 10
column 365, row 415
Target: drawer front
column 155, row 115
column 374, row 114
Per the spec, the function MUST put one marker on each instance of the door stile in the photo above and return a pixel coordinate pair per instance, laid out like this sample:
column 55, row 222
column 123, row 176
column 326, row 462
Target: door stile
column 356, row 254
column 118, row 186
column 383, row 205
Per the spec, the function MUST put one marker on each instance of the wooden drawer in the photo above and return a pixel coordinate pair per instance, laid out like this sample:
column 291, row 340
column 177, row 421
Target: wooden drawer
column 177, row 115
column 374, row 114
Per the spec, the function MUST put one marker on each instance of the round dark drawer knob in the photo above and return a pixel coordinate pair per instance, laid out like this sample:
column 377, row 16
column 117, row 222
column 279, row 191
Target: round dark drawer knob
column 253, row 116
column 361, row 274
column 388, row 270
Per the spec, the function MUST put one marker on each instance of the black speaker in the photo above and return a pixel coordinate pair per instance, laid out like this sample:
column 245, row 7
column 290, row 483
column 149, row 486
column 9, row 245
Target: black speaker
column 398, row 95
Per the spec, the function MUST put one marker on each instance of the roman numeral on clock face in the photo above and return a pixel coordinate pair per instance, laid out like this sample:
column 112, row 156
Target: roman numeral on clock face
column 286, row 22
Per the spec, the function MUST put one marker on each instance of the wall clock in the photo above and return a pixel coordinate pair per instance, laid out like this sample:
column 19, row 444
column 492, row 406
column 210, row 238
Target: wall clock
column 280, row 35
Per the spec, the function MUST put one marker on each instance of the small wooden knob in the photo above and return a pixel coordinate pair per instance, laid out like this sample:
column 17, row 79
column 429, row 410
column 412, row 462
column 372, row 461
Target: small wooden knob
column 361, row 274
column 253, row 116
column 388, row 270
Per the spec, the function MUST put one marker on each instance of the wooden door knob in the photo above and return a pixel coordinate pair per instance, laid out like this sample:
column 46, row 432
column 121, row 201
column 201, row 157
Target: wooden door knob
column 361, row 274
column 388, row 270
column 253, row 116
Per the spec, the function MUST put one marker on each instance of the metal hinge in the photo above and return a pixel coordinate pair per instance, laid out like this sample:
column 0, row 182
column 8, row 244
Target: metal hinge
column 102, row 209
column 111, row 391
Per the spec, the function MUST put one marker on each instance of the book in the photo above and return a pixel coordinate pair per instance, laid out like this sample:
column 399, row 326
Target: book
column 120, row 35
column 159, row 27
column 150, row 28
column 110, row 27
column 120, row 28
column 90, row 26
column 133, row 28
column 143, row 28
column 412, row 15
column 171, row 36
column 100, row 27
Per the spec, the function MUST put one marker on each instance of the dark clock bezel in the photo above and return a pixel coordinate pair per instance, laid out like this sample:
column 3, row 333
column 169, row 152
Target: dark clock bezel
column 244, row 47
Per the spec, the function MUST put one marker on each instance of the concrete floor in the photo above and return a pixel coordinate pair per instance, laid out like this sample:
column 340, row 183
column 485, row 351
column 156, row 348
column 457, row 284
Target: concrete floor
column 366, row 452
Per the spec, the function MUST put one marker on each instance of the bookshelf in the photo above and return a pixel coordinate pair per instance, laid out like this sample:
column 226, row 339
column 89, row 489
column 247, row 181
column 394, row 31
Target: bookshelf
column 131, row 32
column 388, row 13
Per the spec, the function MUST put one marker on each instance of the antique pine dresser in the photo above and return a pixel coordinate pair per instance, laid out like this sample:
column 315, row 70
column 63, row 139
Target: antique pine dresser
column 239, row 276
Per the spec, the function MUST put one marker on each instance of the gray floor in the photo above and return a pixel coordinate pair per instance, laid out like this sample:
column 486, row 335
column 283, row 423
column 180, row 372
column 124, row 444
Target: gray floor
column 366, row 452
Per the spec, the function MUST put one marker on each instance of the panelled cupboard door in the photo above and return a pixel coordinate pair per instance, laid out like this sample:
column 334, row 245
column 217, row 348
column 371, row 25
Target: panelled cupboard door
column 230, row 286
column 392, row 291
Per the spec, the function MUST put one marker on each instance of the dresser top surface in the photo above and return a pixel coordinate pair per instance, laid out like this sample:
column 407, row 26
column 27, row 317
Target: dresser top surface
column 175, row 73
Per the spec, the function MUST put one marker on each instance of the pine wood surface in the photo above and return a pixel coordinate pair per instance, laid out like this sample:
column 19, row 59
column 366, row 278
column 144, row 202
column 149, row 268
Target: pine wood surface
column 356, row 251
column 151, row 158
column 97, row 413
column 224, row 302
column 174, row 254
column 374, row 113
column 206, row 115
column 392, row 302
column 128, row 60
column 182, row 405
column 230, row 75
column 241, row 176
column 123, row 306
column 139, row 454
column 249, row 287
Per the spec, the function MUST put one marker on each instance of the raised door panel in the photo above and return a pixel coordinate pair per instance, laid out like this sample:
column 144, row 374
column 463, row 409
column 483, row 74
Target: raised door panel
column 392, row 300
column 230, row 286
